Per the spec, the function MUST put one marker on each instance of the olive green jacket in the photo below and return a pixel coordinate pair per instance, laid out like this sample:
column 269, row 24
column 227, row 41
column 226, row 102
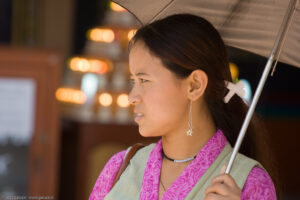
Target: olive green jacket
column 130, row 183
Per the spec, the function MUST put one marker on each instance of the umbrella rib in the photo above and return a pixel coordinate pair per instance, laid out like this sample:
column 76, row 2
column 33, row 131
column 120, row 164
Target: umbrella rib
column 232, row 13
column 129, row 10
column 161, row 11
column 282, row 43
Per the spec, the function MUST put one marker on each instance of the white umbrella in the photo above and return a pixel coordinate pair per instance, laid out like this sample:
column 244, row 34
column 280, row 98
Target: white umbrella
column 266, row 27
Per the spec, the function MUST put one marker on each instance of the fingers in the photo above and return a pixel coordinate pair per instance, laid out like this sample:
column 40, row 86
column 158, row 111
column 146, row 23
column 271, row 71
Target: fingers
column 213, row 196
column 218, row 188
column 223, row 169
column 222, row 191
column 223, row 186
column 224, row 178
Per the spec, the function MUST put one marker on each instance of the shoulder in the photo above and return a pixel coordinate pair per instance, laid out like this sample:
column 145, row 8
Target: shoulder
column 105, row 180
column 144, row 150
column 259, row 185
column 107, row 175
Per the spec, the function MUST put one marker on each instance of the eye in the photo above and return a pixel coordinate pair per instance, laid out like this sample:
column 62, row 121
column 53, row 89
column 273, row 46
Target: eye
column 143, row 80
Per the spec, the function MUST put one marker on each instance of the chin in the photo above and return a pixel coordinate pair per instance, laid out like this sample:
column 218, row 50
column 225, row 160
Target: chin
column 148, row 133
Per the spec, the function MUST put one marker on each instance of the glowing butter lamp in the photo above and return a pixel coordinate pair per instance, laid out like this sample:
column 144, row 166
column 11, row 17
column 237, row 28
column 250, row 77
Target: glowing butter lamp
column 79, row 64
column 73, row 63
column 105, row 99
column 234, row 71
column 101, row 35
column 70, row 95
column 98, row 66
column 122, row 100
column 88, row 65
column 131, row 33
column 115, row 7
column 83, row 65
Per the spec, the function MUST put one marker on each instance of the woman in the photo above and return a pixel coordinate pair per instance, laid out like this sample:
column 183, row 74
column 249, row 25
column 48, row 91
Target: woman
column 179, row 68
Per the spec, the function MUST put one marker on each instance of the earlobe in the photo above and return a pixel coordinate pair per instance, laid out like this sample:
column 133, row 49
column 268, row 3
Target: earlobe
column 197, row 84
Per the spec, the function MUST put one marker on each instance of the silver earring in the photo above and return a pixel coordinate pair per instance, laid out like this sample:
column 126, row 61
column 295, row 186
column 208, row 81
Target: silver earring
column 190, row 131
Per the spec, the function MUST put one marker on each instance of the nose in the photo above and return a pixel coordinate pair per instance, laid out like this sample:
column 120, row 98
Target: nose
column 133, row 98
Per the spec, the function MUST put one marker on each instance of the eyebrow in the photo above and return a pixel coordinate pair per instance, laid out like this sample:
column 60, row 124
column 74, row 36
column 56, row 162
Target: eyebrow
column 140, row 74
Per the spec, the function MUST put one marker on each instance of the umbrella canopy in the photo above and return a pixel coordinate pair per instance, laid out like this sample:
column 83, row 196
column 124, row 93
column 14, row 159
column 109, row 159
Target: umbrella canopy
column 259, row 26
column 251, row 25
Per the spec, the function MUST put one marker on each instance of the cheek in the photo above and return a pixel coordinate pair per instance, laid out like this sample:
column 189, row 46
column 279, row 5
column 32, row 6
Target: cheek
column 164, row 102
column 164, row 110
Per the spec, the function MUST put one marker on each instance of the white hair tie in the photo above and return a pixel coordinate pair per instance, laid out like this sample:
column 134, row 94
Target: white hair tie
column 237, row 88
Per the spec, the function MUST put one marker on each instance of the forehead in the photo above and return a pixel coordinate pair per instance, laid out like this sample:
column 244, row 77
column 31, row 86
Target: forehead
column 142, row 60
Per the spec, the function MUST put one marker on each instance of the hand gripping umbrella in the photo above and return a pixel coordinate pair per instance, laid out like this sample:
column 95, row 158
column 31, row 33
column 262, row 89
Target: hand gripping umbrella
column 259, row 26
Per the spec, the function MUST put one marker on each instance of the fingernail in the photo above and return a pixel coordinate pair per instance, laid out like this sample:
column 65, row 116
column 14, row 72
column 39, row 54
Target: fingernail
column 223, row 169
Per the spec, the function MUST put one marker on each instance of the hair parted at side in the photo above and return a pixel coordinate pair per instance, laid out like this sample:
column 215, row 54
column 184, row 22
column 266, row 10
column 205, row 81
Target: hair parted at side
column 186, row 42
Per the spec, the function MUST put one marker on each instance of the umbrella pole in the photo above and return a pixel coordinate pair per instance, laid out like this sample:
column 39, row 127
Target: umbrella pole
column 274, row 55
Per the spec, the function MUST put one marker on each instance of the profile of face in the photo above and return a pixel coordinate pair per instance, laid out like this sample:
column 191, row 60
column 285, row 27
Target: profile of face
column 158, row 96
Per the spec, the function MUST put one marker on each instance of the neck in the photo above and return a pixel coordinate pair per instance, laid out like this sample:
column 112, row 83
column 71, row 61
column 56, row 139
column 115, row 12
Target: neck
column 178, row 145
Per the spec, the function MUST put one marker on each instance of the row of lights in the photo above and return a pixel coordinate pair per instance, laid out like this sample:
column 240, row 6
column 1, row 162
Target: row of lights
column 105, row 99
column 106, row 35
column 76, row 96
column 101, row 35
column 70, row 95
column 89, row 65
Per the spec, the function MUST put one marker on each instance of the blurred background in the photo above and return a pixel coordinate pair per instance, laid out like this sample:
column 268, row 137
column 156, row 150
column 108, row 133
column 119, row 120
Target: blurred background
column 64, row 84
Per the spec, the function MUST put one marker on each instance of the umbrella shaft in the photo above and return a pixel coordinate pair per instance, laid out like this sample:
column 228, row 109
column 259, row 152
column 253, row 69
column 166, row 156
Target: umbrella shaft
column 274, row 54
column 250, row 113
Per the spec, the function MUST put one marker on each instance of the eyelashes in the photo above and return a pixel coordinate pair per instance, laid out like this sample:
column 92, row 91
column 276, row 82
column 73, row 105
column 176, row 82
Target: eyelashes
column 132, row 81
column 143, row 80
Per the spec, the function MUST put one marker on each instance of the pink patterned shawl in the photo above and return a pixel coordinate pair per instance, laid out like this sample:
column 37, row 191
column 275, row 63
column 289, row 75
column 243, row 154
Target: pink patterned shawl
column 258, row 185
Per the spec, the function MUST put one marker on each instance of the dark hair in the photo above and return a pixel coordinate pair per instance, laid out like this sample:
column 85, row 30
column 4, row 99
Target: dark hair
column 187, row 42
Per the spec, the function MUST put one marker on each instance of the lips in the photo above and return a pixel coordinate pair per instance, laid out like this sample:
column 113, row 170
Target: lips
column 138, row 116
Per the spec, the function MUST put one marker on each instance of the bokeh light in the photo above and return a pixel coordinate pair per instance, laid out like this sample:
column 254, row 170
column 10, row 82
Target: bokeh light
column 131, row 33
column 89, row 85
column 248, row 90
column 70, row 95
column 234, row 70
column 105, row 99
column 88, row 65
column 115, row 7
column 122, row 100
column 101, row 35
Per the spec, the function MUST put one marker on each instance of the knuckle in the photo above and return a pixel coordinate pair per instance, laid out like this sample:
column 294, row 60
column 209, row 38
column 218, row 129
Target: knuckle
column 209, row 196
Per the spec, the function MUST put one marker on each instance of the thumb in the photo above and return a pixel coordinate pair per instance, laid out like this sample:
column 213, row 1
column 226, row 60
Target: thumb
column 223, row 169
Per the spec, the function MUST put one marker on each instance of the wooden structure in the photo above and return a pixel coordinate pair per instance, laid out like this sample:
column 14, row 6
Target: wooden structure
column 44, row 68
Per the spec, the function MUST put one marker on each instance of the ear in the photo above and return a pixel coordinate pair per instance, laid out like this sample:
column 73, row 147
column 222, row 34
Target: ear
column 197, row 82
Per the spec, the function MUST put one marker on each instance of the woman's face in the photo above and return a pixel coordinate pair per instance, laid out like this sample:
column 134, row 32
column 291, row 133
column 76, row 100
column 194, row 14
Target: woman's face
column 159, row 98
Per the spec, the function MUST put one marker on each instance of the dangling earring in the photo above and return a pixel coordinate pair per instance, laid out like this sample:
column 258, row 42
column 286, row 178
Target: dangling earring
column 190, row 131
